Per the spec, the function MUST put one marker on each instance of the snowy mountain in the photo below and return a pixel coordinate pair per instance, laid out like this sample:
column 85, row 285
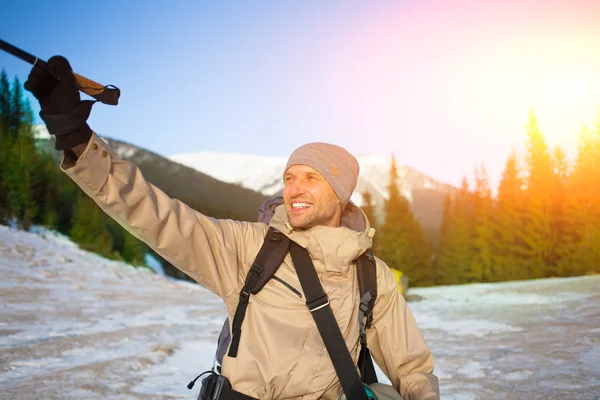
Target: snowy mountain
column 239, row 182
column 74, row 325
column 264, row 174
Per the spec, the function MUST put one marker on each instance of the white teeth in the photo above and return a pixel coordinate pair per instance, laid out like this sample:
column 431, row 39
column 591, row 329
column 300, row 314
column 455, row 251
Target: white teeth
column 300, row 205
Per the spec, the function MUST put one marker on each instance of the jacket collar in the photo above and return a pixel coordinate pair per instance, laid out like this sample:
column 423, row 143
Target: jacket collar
column 335, row 247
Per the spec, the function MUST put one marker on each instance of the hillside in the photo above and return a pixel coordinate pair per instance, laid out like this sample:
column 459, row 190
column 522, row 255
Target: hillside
column 199, row 190
column 209, row 195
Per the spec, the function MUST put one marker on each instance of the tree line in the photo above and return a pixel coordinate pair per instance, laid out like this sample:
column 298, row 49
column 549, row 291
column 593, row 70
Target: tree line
column 33, row 190
column 543, row 222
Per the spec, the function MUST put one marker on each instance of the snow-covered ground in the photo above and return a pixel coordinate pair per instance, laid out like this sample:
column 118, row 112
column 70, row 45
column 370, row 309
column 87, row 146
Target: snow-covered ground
column 74, row 325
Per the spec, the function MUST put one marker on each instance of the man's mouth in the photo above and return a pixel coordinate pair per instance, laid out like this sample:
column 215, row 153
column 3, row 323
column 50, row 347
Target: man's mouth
column 299, row 206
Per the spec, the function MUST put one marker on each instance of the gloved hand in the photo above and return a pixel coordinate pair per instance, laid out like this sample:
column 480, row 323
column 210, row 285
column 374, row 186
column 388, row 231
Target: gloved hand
column 62, row 110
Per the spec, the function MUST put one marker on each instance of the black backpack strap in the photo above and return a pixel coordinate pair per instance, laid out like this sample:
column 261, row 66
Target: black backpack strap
column 366, row 270
column 367, row 283
column 269, row 258
column 318, row 305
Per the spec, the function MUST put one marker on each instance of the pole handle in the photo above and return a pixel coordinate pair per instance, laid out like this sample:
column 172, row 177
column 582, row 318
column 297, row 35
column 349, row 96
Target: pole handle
column 104, row 94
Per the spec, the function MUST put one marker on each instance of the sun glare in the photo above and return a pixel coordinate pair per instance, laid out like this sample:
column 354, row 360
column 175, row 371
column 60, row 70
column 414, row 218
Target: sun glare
column 557, row 79
column 567, row 88
column 567, row 100
column 570, row 85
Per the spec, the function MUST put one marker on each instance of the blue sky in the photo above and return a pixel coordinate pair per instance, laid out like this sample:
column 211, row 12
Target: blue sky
column 444, row 85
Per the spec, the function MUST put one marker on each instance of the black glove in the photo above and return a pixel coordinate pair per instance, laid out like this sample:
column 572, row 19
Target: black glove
column 62, row 110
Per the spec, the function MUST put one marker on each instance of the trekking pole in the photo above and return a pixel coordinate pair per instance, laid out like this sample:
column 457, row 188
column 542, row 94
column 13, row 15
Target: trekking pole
column 108, row 94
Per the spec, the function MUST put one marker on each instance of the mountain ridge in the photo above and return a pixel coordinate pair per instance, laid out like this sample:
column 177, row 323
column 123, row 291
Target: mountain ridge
column 234, row 184
column 198, row 190
column 264, row 174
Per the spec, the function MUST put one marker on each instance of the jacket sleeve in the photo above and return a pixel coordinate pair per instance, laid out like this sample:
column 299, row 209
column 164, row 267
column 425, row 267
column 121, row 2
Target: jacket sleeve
column 209, row 250
column 396, row 343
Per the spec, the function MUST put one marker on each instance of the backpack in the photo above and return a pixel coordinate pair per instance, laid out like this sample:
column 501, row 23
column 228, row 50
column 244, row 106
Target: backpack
column 270, row 256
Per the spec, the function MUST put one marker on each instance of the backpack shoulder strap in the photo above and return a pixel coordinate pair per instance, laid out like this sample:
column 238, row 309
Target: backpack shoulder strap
column 269, row 258
column 318, row 305
column 366, row 269
column 367, row 283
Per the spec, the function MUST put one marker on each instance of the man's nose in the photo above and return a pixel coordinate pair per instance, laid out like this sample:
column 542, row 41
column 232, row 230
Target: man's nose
column 297, row 188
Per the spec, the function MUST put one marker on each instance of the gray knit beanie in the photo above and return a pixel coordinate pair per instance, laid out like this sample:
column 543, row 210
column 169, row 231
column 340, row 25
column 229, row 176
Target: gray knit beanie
column 339, row 168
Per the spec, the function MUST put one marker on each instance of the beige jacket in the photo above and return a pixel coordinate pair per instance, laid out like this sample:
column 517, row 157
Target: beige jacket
column 281, row 354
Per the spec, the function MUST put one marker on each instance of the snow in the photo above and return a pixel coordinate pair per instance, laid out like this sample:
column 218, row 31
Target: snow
column 472, row 369
column 163, row 379
column 75, row 325
column 128, row 152
column 40, row 131
column 264, row 174
column 153, row 263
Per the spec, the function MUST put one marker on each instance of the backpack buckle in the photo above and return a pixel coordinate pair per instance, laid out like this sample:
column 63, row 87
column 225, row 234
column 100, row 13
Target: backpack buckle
column 316, row 303
column 245, row 295
column 364, row 307
column 257, row 270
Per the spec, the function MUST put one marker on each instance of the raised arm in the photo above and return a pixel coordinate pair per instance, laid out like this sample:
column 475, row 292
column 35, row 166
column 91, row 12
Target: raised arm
column 211, row 251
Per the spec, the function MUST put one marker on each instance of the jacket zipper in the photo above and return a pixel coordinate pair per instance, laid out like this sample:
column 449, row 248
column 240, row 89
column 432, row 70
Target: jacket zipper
column 293, row 289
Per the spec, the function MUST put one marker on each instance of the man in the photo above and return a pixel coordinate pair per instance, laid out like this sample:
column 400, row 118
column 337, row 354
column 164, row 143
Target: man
column 281, row 354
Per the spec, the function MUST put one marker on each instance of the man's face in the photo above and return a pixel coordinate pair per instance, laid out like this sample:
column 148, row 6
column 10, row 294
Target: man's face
column 309, row 200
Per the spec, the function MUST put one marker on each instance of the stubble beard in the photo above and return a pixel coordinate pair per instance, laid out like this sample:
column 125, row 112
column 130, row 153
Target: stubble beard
column 303, row 222
column 313, row 218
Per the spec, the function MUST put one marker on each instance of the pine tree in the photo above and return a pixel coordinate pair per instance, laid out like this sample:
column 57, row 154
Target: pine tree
column 20, row 173
column 509, row 243
column 22, row 179
column 461, row 243
column 582, row 216
column 89, row 227
column 368, row 208
column 444, row 272
column 594, row 235
column 5, row 109
column 133, row 250
column 17, row 114
column 560, row 201
column 401, row 243
column 5, row 143
column 394, row 248
column 49, row 191
column 482, row 260
column 537, row 222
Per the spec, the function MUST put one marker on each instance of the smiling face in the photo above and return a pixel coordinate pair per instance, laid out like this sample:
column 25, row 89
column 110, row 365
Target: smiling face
column 309, row 199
